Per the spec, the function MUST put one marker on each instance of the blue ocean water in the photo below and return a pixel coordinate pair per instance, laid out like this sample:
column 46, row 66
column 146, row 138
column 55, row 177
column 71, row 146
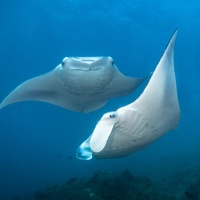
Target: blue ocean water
column 38, row 141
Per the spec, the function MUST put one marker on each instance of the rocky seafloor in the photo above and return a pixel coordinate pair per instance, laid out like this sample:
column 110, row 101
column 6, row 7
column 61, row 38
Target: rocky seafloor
column 182, row 185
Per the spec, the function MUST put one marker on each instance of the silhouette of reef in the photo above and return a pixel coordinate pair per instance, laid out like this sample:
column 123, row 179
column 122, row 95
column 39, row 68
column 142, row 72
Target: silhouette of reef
column 104, row 186
column 182, row 184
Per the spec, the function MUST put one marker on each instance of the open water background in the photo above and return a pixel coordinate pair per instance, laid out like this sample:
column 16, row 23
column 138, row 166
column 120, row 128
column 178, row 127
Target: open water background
column 38, row 141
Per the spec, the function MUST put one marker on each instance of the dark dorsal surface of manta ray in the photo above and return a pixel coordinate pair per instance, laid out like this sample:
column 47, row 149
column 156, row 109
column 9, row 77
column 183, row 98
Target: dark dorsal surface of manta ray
column 81, row 84
column 136, row 125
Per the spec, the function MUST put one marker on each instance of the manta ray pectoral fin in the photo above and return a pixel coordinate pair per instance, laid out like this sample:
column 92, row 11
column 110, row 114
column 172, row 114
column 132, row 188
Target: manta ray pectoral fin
column 124, row 85
column 41, row 88
column 150, row 116
column 160, row 95
column 78, row 84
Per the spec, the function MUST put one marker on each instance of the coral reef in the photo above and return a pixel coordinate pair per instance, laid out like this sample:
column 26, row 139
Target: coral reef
column 183, row 184
column 104, row 186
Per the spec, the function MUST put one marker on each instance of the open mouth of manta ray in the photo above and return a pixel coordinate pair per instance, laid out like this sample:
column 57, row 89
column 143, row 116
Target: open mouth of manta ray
column 87, row 63
column 88, row 60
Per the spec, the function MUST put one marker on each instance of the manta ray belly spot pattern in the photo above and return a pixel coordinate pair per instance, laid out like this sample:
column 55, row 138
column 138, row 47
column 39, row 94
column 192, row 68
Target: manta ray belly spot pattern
column 141, row 129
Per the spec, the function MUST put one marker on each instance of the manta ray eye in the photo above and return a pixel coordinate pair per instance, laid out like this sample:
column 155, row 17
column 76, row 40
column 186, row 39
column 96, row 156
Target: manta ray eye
column 63, row 63
column 113, row 115
column 112, row 61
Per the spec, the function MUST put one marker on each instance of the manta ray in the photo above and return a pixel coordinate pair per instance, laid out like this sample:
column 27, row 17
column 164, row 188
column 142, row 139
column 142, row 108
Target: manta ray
column 81, row 84
column 132, row 127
